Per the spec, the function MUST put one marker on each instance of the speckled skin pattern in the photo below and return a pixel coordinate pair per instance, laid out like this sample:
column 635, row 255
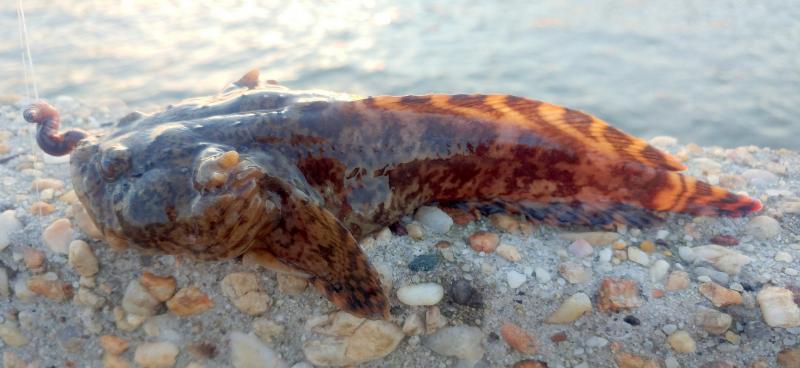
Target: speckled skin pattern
column 300, row 175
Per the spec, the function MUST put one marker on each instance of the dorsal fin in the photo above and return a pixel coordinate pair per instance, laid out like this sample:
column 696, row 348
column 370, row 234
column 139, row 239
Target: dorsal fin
column 566, row 126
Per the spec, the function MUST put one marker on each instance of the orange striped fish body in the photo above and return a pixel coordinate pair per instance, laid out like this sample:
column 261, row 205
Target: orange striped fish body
column 298, row 176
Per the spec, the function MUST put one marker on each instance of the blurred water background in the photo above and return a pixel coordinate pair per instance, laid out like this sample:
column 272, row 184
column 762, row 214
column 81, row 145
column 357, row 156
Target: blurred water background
column 723, row 72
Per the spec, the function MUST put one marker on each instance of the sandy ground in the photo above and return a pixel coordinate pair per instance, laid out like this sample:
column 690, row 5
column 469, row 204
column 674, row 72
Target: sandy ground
column 41, row 331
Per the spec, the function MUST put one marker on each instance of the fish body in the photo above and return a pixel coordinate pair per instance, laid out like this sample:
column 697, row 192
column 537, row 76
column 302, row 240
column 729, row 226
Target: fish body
column 299, row 176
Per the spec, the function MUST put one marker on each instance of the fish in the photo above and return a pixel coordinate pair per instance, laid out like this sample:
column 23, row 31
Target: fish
column 297, row 177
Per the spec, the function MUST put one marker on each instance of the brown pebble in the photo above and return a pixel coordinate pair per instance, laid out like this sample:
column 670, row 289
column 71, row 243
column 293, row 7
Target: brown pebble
column 647, row 246
column 42, row 208
column 656, row 293
column 47, row 183
column 518, row 338
column 160, row 287
column 530, row 363
column 459, row 217
column 559, row 337
column 617, row 295
column 51, row 289
column 719, row 295
column 505, row 223
column 34, row 258
column 789, row 357
column 189, row 301
column 725, row 240
column 628, row 360
column 443, row 244
column 484, row 241
column 114, row 345
column 202, row 349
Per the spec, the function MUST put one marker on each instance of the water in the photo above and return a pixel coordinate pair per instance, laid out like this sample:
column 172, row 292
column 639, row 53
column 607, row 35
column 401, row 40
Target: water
column 724, row 73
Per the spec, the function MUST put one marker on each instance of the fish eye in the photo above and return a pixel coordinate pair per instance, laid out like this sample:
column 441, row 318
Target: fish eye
column 113, row 162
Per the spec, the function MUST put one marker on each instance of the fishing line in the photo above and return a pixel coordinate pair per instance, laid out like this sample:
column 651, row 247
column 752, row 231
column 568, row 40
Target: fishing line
column 30, row 84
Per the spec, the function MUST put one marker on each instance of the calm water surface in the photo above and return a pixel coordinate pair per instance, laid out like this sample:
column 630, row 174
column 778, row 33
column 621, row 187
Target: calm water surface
column 725, row 72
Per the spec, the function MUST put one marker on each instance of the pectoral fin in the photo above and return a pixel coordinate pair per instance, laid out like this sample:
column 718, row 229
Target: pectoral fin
column 312, row 240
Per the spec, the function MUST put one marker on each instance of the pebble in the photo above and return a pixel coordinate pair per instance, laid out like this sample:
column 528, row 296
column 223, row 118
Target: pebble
column 519, row 339
column 484, row 241
column 713, row 321
column 46, row 183
column 508, row 252
column 8, row 225
column 112, row 344
column 719, row 295
column 434, row 219
column 291, row 284
column 760, row 178
column 413, row 325
column 244, row 292
column 89, row 299
column 677, row 280
column 618, row 294
column 84, row 222
column 763, row 227
column 542, row 275
column 782, row 256
column 705, row 166
column 789, row 357
column 247, row 351
column 462, row 292
column 160, row 287
column 434, row 320
column 724, row 259
column 529, row 363
column 359, row 341
column 50, row 287
column 189, row 301
column 669, row 328
column 686, row 253
column 137, row 300
column 40, row 208
column 462, row 342
column 421, row 294
column 596, row 238
column 156, row 354
column 574, row 273
column 648, row 246
column 659, row 270
column 505, row 223
column 11, row 335
column 4, row 290
column 414, row 231
column 33, row 258
column 127, row 321
column 724, row 240
column 580, row 248
column 571, row 309
column 639, row 256
column 515, row 279
column 424, row 262
column 628, row 360
column 709, row 274
column 58, row 235
column 778, row 307
column 682, row 342
column 82, row 259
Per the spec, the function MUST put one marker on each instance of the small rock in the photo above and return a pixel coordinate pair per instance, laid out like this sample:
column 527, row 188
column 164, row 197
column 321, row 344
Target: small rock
column 580, row 248
column 434, row 219
column 58, row 235
column 189, row 301
column 137, row 300
column 483, row 241
column 724, row 259
column 244, row 292
column 462, row 342
column 782, row 256
column 719, row 277
column 4, row 290
column 82, row 259
column 760, row 178
column 50, row 287
column 434, row 320
column 267, row 330
column 369, row 340
column 247, row 351
column 11, row 335
column 33, row 258
column 596, row 238
column 160, row 287
column 156, row 354
column 571, row 309
column 413, row 325
column 778, row 307
column 462, row 292
column 84, row 221
column 291, row 284
column 659, row 270
column 724, row 240
column 718, row 295
column 421, row 294
column 46, row 183
column 415, row 231
column 89, row 299
column 424, row 262
column 529, row 363
column 677, row 280
column 515, row 279
column 617, row 295
column 763, row 227
column 8, row 225
column 686, row 253
column 518, row 338
column 42, row 208
column 114, row 345
column 638, row 256
column 713, row 321
column 789, row 357
column 648, row 246
column 542, row 275
column 705, row 166
column 127, row 321
column 574, row 273
column 505, row 223
column 682, row 342
column 628, row 360
column 509, row 252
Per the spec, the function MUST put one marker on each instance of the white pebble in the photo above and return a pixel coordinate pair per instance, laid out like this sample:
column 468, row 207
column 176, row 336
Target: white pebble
column 247, row 351
column 782, row 256
column 662, row 234
column 421, row 294
column 8, row 225
column 596, row 342
column 639, row 256
column 462, row 342
column 605, row 255
column 763, row 227
column 434, row 219
column 542, row 275
column 580, row 248
column 659, row 270
column 509, row 252
column 156, row 354
column 724, row 259
column 515, row 279
column 686, row 253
